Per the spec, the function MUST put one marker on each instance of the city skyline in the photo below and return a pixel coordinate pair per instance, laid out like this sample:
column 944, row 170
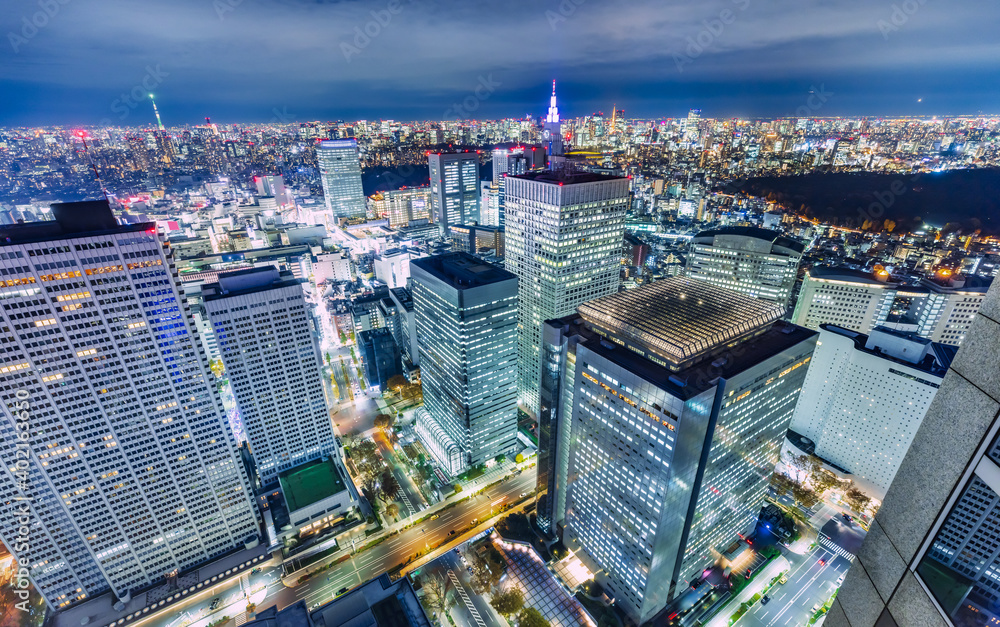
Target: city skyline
column 258, row 61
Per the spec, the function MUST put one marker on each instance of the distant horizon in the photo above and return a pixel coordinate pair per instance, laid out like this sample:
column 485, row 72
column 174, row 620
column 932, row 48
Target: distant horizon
column 757, row 118
column 253, row 61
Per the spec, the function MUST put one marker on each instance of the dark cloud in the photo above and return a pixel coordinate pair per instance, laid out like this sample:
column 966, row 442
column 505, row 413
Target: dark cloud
column 246, row 59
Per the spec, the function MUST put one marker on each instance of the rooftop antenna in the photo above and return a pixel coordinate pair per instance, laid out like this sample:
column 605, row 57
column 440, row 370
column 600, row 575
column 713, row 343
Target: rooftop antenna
column 158, row 122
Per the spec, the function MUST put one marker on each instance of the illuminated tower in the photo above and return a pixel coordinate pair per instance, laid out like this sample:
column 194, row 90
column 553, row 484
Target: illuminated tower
column 159, row 123
column 552, row 133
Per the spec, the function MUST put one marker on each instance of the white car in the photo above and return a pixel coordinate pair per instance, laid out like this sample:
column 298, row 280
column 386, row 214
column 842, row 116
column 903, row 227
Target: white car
column 840, row 580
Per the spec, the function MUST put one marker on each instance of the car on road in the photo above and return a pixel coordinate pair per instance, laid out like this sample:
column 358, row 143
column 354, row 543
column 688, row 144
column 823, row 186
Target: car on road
column 784, row 578
column 764, row 599
column 341, row 591
column 451, row 533
column 847, row 518
column 524, row 494
column 749, row 573
column 815, row 608
column 822, row 562
column 215, row 603
column 434, row 517
column 840, row 580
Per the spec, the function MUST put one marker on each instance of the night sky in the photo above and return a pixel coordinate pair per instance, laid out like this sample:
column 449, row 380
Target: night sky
column 299, row 60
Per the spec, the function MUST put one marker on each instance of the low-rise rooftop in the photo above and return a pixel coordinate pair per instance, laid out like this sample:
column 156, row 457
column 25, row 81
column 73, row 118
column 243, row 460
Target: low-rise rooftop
column 310, row 483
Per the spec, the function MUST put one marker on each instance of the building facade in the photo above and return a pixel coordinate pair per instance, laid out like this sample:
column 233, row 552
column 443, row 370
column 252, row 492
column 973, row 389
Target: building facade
column 466, row 321
column 932, row 554
column 672, row 402
column 454, row 188
column 563, row 242
column 340, row 173
column 115, row 451
column 271, row 354
column 860, row 301
column 757, row 262
column 867, row 397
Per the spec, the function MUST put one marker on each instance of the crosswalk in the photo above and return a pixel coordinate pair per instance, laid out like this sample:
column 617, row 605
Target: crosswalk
column 830, row 546
column 465, row 598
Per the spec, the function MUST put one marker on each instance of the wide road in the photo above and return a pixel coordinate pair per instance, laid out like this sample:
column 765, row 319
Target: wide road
column 365, row 565
column 397, row 549
column 810, row 583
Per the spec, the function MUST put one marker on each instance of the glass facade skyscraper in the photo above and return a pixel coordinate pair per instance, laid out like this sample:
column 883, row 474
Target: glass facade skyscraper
column 564, row 234
column 340, row 172
column 466, row 322
column 114, row 444
column 454, row 188
column 671, row 404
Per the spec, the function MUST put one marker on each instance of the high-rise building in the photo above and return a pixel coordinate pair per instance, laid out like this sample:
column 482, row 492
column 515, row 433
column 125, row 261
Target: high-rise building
column 754, row 261
column 115, row 453
column 511, row 160
column 340, row 172
column 852, row 299
column 564, row 238
column 690, row 130
column 860, row 301
column 932, row 553
column 671, row 403
column 552, row 129
column 466, row 321
column 274, row 186
column 403, row 207
column 263, row 328
column 867, row 397
column 454, row 188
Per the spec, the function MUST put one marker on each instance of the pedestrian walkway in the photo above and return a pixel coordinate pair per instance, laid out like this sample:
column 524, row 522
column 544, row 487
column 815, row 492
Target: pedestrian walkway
column 830, row 546
column 465, row 598
column 541, row 590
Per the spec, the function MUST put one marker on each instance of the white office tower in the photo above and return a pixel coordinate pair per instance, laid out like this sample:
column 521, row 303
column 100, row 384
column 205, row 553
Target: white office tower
column 119, row 460
column 860, row 301
column 564, row 237
column 757, row 262
column 466, row 321
column 272, row 359
column 670, row 403
column 392, row 266
column 489, row 204
column 851, row 299
column 865, row 397
column 454, row 188
column 340, row 173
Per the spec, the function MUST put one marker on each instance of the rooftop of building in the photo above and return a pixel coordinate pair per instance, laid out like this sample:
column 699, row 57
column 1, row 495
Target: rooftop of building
column 461, row 270
column 248, row 281
column 310, row 483
column 565, row 177
column 775, row 237
column 70, row 219
column 380, row 602
column 698, row 375
column 295, row 615
column 849, row 275
column 680, row 319
column 906, row 349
